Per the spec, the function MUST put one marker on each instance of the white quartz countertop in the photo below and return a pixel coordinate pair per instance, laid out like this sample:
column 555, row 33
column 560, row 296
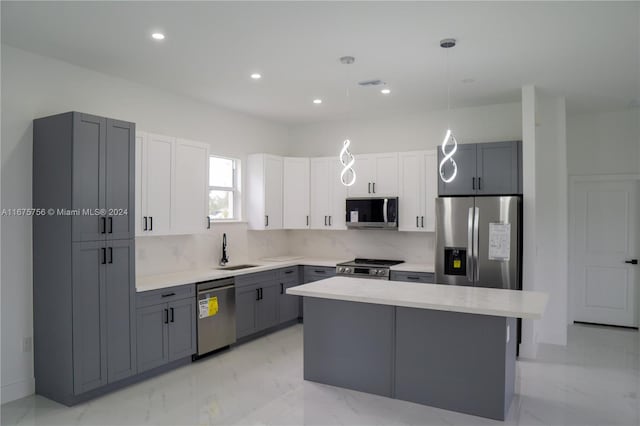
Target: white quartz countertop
column 155, row 282
column 473, row 300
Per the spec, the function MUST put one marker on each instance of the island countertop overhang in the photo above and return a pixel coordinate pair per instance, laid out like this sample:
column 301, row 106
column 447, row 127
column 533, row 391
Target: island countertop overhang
column 472, row 300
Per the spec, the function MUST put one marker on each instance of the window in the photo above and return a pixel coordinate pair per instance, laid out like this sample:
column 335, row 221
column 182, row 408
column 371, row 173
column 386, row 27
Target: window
column 224, row 193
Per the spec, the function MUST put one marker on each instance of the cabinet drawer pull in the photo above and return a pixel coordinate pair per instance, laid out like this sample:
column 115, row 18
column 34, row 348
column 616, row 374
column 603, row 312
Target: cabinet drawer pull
column 168, row 294
column 289, row 272
column 412, row 278
column 172, row 315
column 319, row 271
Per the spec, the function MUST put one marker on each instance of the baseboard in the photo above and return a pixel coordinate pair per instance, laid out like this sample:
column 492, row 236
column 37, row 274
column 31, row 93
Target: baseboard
column 17, row 390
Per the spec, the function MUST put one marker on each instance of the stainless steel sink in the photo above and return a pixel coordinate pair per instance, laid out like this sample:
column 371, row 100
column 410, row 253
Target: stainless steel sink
column 236, row 267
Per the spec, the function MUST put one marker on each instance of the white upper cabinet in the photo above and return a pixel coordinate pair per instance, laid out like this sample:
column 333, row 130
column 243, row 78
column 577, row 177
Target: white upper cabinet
column 264, row 194
column 190, row 187
column 376, row 175
column 295, row 193
column 154, row 179
column 417, row 191
column 171, row 185
column 328, row 194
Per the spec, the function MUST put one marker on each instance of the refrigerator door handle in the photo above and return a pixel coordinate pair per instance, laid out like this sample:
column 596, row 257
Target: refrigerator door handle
column 476, row 243
column 384, row 210
column 470, row 245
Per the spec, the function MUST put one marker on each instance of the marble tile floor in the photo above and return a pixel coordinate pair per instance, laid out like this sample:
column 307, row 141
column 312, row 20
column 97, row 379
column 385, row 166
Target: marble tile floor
column 595, row 380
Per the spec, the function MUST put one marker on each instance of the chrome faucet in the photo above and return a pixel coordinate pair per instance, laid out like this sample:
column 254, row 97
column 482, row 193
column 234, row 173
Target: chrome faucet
column 225, row 259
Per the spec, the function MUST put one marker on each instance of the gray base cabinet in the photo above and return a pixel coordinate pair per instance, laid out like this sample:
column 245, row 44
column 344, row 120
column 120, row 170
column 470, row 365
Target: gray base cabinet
column 83, row 255
column 316, row 273
column 412, row 277
column 484, row 169
column 166, row 321
column 261, row 301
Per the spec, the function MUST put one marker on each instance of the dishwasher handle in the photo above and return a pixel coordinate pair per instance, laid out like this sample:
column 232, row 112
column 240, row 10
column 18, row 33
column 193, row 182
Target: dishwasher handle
column 214, row 289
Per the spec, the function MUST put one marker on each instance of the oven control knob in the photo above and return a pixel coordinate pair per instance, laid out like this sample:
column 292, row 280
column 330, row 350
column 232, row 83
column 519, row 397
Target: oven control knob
column 380, row 271
column 341, row 269
column 347, row 270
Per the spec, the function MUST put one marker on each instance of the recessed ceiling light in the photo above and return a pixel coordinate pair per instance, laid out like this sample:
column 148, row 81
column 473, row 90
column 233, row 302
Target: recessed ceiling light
column 157, row 36
column 256, row 76
column 317, row 101
column 385, row 91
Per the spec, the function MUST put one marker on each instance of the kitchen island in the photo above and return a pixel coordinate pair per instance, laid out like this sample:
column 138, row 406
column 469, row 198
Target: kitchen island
column 446, row 346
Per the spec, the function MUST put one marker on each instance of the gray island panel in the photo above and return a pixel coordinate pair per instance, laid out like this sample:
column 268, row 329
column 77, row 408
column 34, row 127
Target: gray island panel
column 349, row 344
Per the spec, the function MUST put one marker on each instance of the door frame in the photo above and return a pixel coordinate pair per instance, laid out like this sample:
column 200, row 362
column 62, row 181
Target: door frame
column 573, row 181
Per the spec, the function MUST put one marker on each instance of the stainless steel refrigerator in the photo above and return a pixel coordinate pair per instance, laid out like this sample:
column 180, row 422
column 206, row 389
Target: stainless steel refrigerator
column 478, row 241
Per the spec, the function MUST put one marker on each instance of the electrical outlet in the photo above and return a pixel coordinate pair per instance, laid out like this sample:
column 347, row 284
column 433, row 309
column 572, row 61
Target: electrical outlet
column 27, row 344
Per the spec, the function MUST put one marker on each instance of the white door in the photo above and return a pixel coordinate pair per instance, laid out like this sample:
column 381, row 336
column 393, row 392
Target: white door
column 338, row 195
column 158, row 155
column 605, row 236
column 190, row 187
column 385, row 183
column 273, row 192
column 365, row 168
column 319, row 189
column 411, row 191
column 430, row 179
column 295, row 213
column 141, row 139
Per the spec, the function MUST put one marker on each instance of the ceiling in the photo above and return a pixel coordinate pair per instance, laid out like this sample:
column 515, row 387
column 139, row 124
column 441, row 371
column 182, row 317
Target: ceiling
column 586, row 51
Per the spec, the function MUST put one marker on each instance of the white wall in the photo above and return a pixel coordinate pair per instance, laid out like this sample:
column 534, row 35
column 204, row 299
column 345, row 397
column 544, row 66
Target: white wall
column 604, row 143
column 408, row 132
column 36, row 86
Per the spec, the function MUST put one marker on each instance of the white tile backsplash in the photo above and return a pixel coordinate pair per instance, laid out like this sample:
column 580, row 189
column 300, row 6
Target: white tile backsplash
column 160, row 255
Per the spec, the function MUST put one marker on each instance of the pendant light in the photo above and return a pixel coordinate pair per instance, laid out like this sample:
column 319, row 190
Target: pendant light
column 347, row 175
column 449, row 138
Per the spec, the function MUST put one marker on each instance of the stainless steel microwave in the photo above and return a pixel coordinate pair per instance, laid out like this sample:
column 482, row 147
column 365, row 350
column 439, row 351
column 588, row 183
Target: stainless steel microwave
column 372, row 213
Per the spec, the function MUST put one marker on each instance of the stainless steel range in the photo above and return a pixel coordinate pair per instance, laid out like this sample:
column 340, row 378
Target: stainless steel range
column 366, row 268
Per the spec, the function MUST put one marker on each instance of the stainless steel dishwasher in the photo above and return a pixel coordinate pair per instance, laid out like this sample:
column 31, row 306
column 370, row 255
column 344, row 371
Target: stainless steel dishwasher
column 216, row 314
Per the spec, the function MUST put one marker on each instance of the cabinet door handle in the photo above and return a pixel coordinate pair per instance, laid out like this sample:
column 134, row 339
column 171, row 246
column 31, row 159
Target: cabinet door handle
column 369, row 187
column 104, row 255
column 320, row 271
column 422, row 221
column 103, row 225
column 208, row 222
column 374, row 187
column 473, row 183
column 110, row 254
column 266, row 220
column 632, row 261
column 330, row 220
column 168, row 294
column 145, row 224
column 289, row 272
column 417, row 226
column 325, row 221
column 281, row 288
column 307, row 220
column 257, row 294
column 261, row 297
column 172, row 315
column 150, row 223
column 110, row 225
column 413, row 278
column 166, row 316
column 479, row 183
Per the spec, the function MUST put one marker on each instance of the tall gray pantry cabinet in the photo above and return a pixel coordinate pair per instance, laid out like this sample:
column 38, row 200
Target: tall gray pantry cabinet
column 83, row 255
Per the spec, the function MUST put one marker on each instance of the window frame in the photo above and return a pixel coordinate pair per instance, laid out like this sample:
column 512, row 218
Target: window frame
column 234, row 189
